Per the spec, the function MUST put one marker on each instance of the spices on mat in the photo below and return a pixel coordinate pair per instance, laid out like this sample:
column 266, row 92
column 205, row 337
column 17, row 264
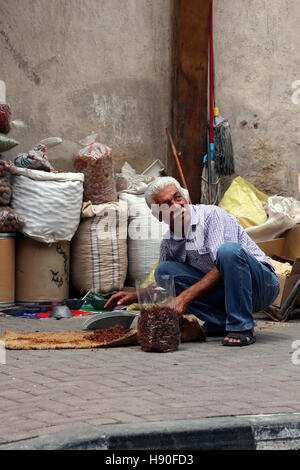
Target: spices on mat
column 5, row 117
column 106, row 335
column 158, row 329
column 99, row 184
column 99, row 336
column 10, row 222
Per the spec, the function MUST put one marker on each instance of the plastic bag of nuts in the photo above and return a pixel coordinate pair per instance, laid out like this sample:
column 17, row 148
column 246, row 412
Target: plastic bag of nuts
column 158, row 323
column 5, row 117
column 10, row 222
column 5, row 184
column 95, row 162
column 4, row 167
column 5, row 190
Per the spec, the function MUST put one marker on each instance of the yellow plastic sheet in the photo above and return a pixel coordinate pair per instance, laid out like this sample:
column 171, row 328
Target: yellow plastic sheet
column 243, row 200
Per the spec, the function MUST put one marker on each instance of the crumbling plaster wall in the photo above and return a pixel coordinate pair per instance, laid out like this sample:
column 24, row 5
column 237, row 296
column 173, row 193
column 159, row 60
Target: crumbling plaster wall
column 257, row 61
column 77, row 66
column 72, row 67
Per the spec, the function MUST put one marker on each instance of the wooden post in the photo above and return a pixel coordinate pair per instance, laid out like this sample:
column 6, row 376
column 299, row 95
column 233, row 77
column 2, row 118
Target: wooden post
column 189, row 90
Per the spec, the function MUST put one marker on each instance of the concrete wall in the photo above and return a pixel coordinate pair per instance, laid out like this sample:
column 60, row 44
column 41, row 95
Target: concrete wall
column 77, row 66
column 72, row 67
column 257, row 60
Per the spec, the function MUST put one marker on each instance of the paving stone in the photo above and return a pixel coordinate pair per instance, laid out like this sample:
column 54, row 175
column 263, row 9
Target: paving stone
column 49, row 391
column 14, row 394
column 67, row 426
column 102, row 420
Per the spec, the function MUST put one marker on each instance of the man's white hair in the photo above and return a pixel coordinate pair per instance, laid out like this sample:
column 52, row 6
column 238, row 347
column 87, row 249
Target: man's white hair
column 157, row 185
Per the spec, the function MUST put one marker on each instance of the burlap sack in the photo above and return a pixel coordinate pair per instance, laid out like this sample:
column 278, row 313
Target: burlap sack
column 99, row 250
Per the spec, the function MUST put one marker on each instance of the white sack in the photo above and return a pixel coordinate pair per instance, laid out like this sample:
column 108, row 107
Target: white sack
column 145, row 233
column 49, row 203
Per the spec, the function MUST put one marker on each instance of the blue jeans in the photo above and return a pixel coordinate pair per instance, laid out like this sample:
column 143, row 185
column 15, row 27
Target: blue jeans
column 248, row 286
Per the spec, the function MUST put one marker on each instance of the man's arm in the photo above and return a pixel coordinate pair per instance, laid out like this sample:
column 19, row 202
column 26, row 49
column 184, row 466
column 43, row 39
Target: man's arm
column 208, row 283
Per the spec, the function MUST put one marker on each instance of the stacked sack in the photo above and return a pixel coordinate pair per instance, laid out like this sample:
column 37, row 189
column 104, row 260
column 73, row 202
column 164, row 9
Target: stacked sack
column 49, row 202
column 10, row 221
column 145, row 232
column 99, row 247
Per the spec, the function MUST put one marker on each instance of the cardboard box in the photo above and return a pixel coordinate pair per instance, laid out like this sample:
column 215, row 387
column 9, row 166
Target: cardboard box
column 288, row 249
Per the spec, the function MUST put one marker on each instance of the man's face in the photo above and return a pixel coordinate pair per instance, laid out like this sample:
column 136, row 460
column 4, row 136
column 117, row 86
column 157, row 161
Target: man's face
column 172, row 209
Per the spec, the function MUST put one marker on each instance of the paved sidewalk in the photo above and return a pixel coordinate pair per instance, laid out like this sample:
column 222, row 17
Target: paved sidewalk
column 46, row 392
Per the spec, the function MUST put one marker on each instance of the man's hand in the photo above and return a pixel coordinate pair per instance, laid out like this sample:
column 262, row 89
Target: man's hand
column 180, row 305
column 200, row 289
column 121, row 298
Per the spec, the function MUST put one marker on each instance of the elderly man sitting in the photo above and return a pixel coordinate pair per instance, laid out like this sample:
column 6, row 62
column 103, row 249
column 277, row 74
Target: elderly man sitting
column 220, row 274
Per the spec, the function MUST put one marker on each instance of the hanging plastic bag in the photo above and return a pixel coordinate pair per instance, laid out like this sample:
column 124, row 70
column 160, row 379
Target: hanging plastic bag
column 95, row 162
column 5, row 111
column 158, row 323
column 5, row 117
column 7, row 143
